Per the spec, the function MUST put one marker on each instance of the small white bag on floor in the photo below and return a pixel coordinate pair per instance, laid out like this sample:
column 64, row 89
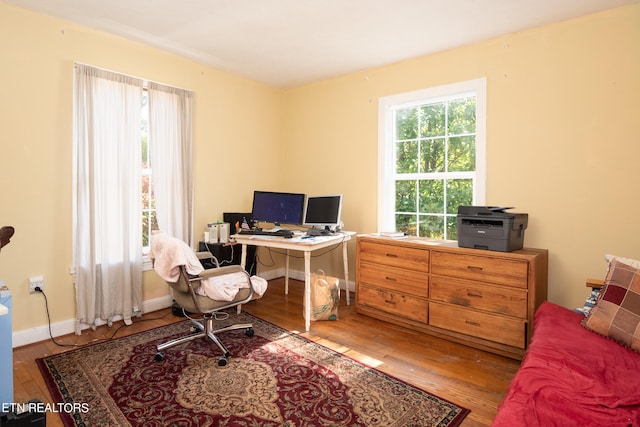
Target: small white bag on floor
column 325, row 296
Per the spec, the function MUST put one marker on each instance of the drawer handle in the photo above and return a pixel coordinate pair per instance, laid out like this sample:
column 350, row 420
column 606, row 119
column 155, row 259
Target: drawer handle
column 474, row 268
column 389, row 302
column 470, row 294
column 391, row 279
column 392, row 255
column 469, row 322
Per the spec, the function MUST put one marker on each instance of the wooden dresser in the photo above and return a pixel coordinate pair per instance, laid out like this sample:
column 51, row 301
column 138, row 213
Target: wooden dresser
column 484, row 299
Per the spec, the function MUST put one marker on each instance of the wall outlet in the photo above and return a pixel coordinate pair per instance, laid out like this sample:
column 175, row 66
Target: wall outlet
column 36, row 282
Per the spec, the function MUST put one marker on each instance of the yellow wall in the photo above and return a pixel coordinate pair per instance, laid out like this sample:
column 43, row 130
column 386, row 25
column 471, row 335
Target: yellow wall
column 234, row 117
column 562, row 141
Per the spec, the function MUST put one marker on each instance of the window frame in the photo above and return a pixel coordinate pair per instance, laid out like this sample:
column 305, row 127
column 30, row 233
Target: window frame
column 386, row 140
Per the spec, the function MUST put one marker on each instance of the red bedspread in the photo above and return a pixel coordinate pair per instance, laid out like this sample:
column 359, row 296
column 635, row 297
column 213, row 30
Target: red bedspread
column 572, row 377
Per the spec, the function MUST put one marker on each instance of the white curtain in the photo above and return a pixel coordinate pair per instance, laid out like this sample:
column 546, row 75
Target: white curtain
column 107, row 232
column 171, row 141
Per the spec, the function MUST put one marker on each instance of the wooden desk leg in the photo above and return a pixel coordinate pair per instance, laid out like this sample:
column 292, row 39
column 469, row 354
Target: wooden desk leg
column 243, row 256
column 345, row 259
column 286, row 275
column 307, row 290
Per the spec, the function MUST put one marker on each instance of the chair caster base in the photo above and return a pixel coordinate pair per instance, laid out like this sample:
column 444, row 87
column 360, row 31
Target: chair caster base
column 159, row 357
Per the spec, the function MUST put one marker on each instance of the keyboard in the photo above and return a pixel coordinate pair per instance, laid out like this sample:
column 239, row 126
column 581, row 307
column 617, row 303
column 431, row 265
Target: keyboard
column 287, row 234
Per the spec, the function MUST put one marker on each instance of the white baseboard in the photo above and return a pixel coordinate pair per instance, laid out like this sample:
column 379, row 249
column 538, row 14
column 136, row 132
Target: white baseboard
column 65, row 327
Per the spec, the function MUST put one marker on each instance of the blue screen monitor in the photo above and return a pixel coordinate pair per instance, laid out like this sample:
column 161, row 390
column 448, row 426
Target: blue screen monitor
column 278, row 208
column 323, row 211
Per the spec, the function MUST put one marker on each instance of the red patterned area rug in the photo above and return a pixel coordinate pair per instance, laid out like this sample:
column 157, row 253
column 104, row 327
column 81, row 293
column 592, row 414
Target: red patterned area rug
column 274, row 378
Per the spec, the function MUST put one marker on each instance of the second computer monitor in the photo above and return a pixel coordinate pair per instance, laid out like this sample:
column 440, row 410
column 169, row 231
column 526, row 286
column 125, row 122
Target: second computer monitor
column 323, row 211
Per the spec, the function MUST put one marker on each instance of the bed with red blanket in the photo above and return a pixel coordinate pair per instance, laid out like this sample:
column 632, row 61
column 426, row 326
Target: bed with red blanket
column 572, row 376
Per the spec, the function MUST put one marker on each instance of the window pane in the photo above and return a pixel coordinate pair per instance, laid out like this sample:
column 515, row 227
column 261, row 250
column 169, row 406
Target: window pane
column 145, row 192
column 145, row 151
column 431, row 196
column 459, row 192
column 406, row 196
column 406, row 223
column 148, row 205
column 152, row 197
column 461, row 156
column 462, row 116
column 433, row 120
column 406, row 123
column 452, row 228
column 407, row 157
column 146, row 221
column 431, row 226
column 149, row 223
column 432, row 154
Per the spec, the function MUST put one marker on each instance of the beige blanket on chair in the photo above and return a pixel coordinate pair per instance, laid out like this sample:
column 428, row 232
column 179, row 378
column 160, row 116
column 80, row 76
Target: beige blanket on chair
column 170, row 253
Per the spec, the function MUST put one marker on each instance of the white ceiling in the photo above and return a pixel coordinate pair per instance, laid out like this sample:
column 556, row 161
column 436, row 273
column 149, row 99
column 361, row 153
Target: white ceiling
column 286, row 43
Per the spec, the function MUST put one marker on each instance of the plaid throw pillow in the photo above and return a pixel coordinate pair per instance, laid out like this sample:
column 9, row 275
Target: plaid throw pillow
column 617, row 311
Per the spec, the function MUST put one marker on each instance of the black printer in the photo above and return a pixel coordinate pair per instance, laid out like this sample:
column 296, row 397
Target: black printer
column 491, row 228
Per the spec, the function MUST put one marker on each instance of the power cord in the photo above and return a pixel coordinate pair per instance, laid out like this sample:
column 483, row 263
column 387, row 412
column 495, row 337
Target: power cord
column 46, row 303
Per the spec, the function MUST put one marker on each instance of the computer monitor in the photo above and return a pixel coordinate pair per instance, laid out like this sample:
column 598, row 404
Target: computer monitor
column 278, row 208
column 323, row 211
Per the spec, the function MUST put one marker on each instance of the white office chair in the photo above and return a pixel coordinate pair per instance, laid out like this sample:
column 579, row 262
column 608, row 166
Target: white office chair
column 174, row 260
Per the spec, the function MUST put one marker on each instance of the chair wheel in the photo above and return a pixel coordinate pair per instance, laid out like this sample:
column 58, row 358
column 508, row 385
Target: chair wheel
column 249, row 332
column 222, row 361
column 159, row 357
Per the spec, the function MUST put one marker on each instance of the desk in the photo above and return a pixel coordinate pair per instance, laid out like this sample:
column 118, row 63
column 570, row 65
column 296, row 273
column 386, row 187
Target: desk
column 307, row 246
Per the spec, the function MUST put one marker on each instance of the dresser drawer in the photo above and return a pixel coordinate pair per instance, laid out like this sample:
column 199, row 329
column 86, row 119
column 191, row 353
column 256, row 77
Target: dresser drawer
column 395, row 303
column 495, row 299
column 395, row 256
column 503, row 271
column 493, row 327
column 395, row 279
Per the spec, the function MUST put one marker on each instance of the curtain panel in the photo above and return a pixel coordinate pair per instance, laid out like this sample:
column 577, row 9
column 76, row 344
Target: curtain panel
column 107, row 220
column 171, row 142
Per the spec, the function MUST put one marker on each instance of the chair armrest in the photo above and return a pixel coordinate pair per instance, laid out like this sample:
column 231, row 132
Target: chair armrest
column 221, row 271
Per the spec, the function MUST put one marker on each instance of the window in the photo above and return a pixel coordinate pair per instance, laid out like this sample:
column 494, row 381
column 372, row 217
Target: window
column 121, row 133
column 431, row 158
column 149, row 221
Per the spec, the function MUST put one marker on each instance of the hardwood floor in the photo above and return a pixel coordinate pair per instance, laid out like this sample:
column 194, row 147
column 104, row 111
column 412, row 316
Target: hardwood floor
column 468, row 377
